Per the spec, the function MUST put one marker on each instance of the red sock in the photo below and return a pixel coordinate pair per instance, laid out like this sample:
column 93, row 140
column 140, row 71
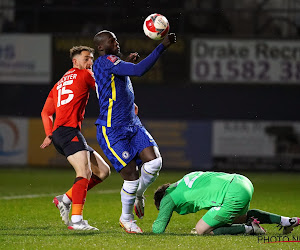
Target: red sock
column 79, row 190
column 94, row 180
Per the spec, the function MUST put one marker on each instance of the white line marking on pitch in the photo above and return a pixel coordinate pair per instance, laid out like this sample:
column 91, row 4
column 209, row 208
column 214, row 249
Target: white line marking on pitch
column 30, row 196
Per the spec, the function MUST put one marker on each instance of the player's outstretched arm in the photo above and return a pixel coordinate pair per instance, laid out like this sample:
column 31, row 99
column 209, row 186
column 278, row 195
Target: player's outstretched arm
column 166, row 209
column 169, row 40
column 139, row 69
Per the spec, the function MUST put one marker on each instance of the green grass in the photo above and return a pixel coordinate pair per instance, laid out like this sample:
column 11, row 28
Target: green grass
column 34, row 223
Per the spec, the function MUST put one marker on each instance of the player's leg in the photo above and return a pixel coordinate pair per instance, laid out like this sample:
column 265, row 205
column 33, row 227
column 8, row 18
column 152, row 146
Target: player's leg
column 152, row 163
column 71, row 143
column 203, row 228
column 120, row 151
column 100, row 170
column 287, row 223
column 81, row 163
column 236, row 204
column 82, row 166
column 130, row 175
column 263, row 216
column 214, row 223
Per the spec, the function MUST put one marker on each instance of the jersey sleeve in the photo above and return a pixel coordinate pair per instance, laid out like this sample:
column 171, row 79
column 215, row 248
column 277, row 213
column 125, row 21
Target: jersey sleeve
column 123, row 68
column 165, row 213
column 90, row 79
column 47, row 114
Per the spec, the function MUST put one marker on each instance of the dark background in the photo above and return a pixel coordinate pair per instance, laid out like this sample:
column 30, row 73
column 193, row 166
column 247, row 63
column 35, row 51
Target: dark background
column 170, row 95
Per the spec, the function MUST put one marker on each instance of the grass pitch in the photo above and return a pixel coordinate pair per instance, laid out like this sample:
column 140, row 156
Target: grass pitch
column 29, row 220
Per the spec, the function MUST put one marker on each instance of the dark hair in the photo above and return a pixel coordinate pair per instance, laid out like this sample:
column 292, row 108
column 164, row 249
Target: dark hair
column 159, row 194
column 76, row 50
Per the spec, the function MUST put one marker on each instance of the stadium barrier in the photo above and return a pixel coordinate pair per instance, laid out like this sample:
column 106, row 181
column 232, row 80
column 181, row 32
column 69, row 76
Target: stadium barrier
column 220, row 145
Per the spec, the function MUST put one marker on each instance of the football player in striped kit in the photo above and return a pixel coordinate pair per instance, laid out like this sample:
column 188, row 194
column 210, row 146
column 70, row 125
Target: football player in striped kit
column 120, row 133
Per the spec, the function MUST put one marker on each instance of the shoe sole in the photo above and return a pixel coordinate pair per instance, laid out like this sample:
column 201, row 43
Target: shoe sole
column 71, row 228
column 130, row 232
column 260, row 233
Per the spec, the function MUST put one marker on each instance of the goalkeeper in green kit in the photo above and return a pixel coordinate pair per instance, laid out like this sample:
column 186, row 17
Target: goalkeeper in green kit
column 226, row 197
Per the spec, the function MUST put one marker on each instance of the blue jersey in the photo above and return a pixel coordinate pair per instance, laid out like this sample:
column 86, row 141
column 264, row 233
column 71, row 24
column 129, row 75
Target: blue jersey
column 114, row 88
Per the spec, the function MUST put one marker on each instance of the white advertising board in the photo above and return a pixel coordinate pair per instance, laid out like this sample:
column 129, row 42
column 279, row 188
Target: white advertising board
column 25, row 59
column 245, row 61
column 256, row 145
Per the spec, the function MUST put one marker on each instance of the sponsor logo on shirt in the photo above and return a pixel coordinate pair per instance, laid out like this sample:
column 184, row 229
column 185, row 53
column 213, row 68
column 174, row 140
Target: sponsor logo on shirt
column 114, row 59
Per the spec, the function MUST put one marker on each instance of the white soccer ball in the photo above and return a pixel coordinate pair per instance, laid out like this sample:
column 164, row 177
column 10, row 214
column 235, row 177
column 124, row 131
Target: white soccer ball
column 156, row 26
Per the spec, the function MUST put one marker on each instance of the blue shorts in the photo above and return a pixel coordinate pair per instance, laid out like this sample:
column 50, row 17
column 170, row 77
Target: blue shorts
column 123, row 144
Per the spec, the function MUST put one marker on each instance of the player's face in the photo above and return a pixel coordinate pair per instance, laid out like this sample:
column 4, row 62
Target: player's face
column 84, row 60
column 111, row 44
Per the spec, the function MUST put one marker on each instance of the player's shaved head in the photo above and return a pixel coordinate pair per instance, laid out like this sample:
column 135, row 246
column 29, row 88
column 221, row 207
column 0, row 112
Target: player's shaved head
column 101, row 36
column 106, row 43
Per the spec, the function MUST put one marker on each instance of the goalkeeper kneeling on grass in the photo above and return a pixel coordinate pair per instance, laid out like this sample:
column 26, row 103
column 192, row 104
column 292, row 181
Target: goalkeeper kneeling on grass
column 226, row 197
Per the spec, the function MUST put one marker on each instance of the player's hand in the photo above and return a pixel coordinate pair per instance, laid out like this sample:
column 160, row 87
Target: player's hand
column 47, row 142
column 169, row 39
column 133, row 57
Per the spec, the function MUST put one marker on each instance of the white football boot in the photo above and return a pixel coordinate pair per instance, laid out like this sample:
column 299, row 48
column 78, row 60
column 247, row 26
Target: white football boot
column 130, row 226
column 64, row 209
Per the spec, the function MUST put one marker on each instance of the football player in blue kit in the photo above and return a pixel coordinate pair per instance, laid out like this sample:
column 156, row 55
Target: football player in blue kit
column 120, row 133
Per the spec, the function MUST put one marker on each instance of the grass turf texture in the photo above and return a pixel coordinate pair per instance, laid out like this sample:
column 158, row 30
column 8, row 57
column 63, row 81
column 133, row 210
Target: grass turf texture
column 33, row 222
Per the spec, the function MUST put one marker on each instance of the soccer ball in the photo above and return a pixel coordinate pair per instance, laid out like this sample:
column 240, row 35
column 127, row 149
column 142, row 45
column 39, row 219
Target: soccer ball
column 156, row 26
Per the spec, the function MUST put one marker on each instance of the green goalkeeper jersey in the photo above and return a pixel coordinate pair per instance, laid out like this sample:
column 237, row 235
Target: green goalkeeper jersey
column 195, row 191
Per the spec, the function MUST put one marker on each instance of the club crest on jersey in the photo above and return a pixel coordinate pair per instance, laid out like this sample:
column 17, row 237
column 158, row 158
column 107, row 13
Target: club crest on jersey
column 114, row 59
column 125, row 155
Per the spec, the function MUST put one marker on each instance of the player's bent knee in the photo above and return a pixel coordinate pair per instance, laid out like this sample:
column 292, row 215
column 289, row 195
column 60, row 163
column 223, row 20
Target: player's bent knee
column 203, row 228
column 104, row 173
column 99, row 166
column 101, row 173
column 200, row 231
column 153, row 166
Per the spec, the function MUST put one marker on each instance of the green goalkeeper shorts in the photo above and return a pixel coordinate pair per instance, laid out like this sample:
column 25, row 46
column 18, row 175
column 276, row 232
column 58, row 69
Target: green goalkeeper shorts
column 236, row 202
